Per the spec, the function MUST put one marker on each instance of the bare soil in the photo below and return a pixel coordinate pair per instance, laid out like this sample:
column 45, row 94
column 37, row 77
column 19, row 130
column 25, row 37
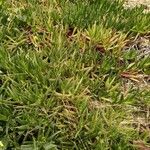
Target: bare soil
column 133, row 3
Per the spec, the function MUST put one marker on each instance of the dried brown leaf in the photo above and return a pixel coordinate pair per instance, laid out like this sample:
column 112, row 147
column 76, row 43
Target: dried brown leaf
column 100, row 48
column 141, row 145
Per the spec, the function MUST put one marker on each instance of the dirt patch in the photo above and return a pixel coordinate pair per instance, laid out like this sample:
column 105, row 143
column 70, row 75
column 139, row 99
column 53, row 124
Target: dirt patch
column 133, row 3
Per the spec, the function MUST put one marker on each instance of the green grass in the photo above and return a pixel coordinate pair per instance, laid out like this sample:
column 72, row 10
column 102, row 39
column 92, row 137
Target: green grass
column 63, row 76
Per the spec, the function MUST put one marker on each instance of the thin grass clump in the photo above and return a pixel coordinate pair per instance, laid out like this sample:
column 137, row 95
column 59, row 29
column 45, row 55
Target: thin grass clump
column 71, row 77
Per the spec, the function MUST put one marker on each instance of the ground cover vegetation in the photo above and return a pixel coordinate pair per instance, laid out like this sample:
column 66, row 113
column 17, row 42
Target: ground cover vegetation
column 74, row 75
